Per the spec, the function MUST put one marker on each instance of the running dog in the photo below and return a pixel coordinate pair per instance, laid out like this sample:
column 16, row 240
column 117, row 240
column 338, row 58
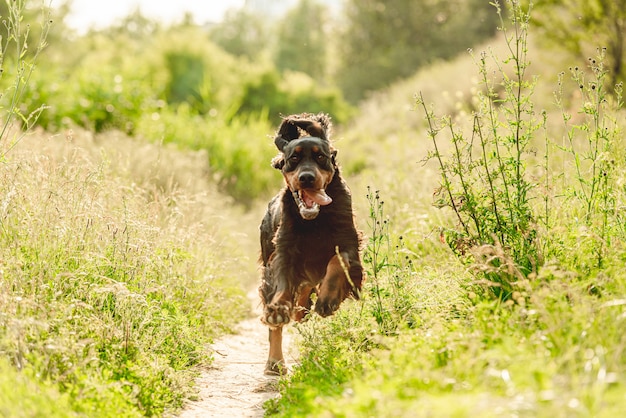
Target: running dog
column 309, row 241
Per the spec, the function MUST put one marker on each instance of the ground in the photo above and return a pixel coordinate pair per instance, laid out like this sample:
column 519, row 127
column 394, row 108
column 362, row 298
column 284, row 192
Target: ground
column 235, row 385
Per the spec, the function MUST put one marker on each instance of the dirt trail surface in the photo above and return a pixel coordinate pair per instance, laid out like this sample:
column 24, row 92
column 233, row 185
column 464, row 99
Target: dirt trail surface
column 235, row 386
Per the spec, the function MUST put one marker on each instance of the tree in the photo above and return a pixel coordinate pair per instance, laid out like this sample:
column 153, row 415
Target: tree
column 241, row 33
column 581, row 26
column 390, row 39
column 302, row 39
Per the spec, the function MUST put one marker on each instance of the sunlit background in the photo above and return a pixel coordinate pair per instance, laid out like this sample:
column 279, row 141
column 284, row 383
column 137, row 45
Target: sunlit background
column 136, row 140
column 86, row 14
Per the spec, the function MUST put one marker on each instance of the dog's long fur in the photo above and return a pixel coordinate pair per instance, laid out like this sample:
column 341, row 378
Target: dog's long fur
column 308, row 244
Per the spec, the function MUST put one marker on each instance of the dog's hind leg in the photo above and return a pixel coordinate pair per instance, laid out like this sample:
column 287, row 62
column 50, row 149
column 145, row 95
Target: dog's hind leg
column 303, row 303
column 276, row 362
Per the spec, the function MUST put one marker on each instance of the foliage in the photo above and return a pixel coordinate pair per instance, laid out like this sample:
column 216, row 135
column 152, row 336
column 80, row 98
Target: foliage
column 486, row 186
column 174, row 85
column 236, row 150
column 581, row 26
column 21, row 398
column 466, row 360
column 289, row 93
column 302, row 40
column 241, row 33
column 401, row 36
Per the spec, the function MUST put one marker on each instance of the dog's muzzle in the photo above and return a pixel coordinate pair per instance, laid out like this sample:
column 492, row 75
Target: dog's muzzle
column 309, row 201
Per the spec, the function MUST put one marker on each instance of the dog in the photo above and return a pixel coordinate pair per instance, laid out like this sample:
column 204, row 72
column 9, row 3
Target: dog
column 309, row 240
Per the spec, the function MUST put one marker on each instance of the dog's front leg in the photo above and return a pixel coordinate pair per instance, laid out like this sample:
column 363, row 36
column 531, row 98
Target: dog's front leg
column 335, row 286
column 278, row 310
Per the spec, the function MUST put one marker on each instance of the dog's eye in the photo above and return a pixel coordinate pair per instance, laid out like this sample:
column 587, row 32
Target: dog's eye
column 294, row 158
column 321, row 157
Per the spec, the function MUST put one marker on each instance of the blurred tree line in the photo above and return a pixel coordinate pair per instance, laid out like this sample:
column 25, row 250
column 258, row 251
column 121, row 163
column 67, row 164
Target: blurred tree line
column 584, row 26
column 369, row 45
column 214, row 87
column 312, row 58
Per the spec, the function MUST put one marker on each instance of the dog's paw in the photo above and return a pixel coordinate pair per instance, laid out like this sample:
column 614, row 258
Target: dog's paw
column 276, row 315
column 275, row 368
column 326, row 306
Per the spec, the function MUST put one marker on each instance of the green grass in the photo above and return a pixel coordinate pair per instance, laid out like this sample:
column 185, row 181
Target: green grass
column 121, row 260
column 431, row 337
column 108, row 297
column 21, row 395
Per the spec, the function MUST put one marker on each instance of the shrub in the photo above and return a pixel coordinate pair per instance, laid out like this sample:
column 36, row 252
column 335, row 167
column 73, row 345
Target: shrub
column 505, row 216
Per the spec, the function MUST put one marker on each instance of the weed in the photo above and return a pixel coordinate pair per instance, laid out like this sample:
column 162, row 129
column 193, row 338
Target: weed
column 484, row 181
column 593, row 143
column 389, row 268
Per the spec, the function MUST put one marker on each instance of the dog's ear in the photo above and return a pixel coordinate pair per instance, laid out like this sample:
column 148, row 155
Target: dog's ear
column 314, row 125
column 325, row 124
column 333, row 157
column 278, row 162
column 287, row 131
column 313, row 128
column 280, row 142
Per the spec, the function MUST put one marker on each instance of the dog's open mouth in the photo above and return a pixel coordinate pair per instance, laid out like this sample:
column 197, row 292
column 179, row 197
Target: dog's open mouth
column 310, row 200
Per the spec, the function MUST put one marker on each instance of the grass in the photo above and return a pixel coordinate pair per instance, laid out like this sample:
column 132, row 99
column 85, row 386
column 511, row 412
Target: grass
column 19, row 55
column 120, row 260
column 108, row 298
column 431, row 337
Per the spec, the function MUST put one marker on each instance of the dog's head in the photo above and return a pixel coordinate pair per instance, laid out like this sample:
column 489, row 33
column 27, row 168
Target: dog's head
column 307, row 160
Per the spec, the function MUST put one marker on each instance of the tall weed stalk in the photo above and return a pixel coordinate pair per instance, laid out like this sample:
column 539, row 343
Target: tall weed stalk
column 389, row 268
column 376, row 254
column 592, row 141
column 18, row 58
column 484, row 180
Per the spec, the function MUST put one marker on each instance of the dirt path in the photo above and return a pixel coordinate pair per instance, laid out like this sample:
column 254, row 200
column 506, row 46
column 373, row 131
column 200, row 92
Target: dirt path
column 235, row 385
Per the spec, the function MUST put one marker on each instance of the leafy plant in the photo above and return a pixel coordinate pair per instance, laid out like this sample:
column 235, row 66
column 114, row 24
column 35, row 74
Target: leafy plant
column 390, row 271
column 484, row 180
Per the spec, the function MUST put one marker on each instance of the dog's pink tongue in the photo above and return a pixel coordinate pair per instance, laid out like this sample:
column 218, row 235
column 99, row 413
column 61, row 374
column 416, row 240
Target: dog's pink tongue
column 318, row 196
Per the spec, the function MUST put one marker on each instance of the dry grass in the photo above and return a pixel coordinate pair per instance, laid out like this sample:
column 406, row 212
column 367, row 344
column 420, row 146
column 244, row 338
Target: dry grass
column 118, row 265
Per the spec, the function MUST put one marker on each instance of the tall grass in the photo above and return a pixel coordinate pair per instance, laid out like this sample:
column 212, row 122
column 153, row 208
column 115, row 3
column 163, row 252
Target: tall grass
column 19, row 54
column 111, row 285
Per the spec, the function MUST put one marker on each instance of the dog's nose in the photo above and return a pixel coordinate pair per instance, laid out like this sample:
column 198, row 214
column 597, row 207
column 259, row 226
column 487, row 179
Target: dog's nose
column 306, row 178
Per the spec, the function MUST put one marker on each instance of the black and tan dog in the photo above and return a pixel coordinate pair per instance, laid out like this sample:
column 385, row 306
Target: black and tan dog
column 309, row 242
